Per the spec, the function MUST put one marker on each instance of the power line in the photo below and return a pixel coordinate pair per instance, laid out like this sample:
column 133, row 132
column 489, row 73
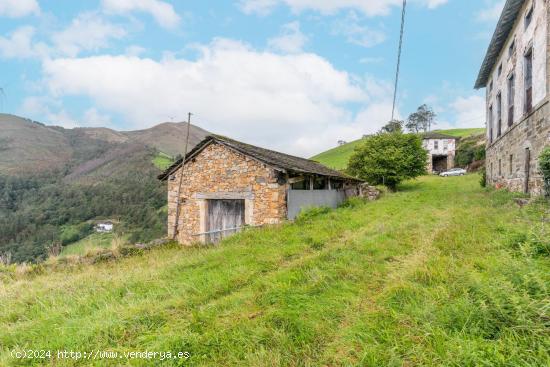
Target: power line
column 399, row 57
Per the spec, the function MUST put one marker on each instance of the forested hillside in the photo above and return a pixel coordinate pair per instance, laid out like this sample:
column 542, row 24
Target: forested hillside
column 54, row 181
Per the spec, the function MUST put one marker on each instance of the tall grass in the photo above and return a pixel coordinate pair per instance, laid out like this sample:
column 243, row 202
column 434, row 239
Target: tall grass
column 434, row 275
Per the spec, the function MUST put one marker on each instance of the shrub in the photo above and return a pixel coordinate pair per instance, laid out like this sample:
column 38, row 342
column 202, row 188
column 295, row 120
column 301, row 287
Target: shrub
column 544, row 163
column 389, row 159
column 483, row 177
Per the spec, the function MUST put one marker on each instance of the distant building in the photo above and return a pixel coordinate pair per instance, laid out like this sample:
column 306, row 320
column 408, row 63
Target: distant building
column 104, row 227
column 228, row 185
column 516, row 75
column 441, row 151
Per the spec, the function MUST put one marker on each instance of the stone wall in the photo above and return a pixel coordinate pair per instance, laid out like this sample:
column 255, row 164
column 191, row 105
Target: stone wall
column 512, row 63
column 506, row 157
column 220, row 172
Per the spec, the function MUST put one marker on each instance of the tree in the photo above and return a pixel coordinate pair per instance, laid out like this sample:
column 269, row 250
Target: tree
column 389, row 159
column 393, row 126
column 544, row 164
column 421, row 120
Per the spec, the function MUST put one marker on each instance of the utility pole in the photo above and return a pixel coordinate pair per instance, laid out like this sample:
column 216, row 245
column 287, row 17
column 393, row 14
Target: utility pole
column 178, row 198
column 403, row 11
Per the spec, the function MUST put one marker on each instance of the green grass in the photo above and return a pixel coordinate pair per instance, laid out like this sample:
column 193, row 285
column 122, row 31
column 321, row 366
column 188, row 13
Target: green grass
column 338, row 157
column 162, row 160
column 442, row 273
column 93, row 241
column 462, row 133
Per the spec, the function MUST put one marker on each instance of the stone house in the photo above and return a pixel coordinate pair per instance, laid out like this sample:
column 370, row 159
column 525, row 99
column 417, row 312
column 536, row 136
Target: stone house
column 225, row 185
column 516, row 76
column 441, row 151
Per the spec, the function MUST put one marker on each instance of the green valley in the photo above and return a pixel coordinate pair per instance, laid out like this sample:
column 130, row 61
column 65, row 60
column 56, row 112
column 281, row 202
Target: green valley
column 440, row 273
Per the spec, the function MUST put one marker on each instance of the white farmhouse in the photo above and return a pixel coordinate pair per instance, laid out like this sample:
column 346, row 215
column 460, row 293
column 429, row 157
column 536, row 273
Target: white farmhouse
column 441, row 151
column 104, row 227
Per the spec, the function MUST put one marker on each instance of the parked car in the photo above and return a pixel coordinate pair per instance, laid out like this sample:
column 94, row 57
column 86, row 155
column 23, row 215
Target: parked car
column 453, row 172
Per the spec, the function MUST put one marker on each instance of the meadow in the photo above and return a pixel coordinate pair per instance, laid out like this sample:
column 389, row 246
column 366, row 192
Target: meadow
column 338, row 157
column 441, row 273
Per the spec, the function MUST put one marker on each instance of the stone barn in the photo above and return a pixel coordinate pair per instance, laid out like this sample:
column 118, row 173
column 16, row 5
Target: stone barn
column 225, row 185
column 441, row 151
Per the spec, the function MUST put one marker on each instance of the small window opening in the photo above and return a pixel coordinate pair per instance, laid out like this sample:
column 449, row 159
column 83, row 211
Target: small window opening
column 529, row 17
column 511, row 164
column 500, row 70
column 500, row 167
column 320, row 183
column 499, row 114
column 336, row 185
column 512, row 49
column 436, row 145
column 490, row 124
column 300, row 185
column 511, row 99
column 529, row 81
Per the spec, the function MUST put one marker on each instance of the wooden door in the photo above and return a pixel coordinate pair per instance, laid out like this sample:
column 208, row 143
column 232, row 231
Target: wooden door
column 527, row 170
column 225, row 217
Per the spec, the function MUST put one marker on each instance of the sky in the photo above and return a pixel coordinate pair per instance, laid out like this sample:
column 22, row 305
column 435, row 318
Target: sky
column 292, row 75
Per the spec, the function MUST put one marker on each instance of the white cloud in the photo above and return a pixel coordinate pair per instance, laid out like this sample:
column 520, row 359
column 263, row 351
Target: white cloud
column 19, row 44
column 297, row 103
column 469, row 111
column 18, row 8
column 491, row 13
column 163, row 12
column 50, row 110
column 367, row 7
column 356, row 33
column 87, row 32
column 92, row 117
column 465, row 112
column 291, row 39
column 371, row 60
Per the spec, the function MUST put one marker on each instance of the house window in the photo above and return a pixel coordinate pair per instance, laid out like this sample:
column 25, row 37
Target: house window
column 445, row 145
column 529, row 81
column 500, row 69
column 499, row 114
column 511, row 98
column 500, row 167
column 512, row 49
column 511, row 164
column 529, row 17
column 436, row 145
column 490, row 124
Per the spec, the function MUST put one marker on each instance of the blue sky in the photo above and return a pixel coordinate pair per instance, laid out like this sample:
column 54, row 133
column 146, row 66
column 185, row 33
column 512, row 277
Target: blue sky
column 293, row 75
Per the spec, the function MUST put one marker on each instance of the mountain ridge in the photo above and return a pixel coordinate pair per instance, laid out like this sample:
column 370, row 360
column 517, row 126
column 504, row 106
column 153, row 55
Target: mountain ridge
column 30, row 146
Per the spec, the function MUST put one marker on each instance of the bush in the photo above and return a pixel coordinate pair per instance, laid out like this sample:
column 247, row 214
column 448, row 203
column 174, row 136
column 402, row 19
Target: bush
column 388, row 159
column 483, row 177
column 544, row 163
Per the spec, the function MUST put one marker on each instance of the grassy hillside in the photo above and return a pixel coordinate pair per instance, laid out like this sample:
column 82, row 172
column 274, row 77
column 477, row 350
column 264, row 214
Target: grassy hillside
column 162, row 161
column 462, row 133
column 441, row 273
column 338, row 157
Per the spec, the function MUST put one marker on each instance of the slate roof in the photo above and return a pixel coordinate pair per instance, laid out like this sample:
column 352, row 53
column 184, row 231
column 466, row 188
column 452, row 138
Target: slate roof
column 504, row 27
column 435, row 135
column 279, row 161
